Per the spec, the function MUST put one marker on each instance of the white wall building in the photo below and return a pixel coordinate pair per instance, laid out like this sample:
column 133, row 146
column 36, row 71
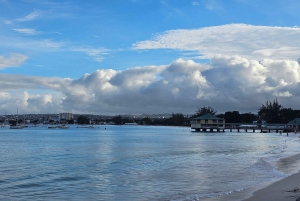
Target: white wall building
column 66, row 116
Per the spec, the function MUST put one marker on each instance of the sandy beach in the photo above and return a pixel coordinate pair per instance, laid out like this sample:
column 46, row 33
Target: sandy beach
column 287, row 189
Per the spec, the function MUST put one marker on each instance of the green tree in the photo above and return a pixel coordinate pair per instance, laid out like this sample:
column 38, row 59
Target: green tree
column 177, row 119
column 147, row 121
column 270, row 112
column 287, row 115
column 83, row 120
column 12, row 122
column 248, row 117
column 205, row 110
column 232, row 117
column 117, row 120
column 71, row 121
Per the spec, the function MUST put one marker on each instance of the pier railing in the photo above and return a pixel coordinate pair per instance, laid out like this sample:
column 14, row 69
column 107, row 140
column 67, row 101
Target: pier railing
column 264, row 128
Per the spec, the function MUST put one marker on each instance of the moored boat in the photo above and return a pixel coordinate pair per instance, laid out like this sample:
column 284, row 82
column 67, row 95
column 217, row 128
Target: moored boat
column 52, row 127
column 86, row 126
column 16, row 127
column 63, row 126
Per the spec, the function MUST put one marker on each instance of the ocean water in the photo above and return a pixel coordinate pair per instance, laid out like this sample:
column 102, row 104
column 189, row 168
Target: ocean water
column 139, row 163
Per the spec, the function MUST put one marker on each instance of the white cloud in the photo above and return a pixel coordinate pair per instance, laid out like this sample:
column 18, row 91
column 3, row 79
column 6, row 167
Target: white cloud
column 227, row 83
column 32, row 16
column 26, row 31
column 35, row 14
column 29, row 44
column 283, row 94
column 14, row 60
column 248, row 41
column 287, row 70
column 212, row 5
column 47, row 43
column 195, row 3
column 97, row 54
column 7, row 21
column 5, row 96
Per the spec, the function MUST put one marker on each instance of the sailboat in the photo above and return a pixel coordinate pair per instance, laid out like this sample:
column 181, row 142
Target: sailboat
column 17, row 126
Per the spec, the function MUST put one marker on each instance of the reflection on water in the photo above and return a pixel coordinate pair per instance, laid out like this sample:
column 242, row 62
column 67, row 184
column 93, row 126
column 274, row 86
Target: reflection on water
column 136, row 163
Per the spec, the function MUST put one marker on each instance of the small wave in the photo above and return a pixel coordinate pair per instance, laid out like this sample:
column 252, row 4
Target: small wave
column 264, row 171
column 62, row 179
column 198, row 197
column 28, row 185
column 289, row 164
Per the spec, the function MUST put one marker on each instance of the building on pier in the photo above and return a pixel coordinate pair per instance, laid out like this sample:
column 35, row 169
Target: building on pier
column 208, row 122
column 295, row 124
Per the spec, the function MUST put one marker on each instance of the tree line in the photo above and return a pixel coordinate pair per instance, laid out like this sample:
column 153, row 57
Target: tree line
column 177, row 119
column 270, row 112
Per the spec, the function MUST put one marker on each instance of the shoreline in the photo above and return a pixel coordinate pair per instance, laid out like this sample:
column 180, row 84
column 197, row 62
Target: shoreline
column 283, row 189
column 286, row 189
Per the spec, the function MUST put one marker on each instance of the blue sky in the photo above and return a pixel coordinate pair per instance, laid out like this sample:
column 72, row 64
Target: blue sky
column 154, row 56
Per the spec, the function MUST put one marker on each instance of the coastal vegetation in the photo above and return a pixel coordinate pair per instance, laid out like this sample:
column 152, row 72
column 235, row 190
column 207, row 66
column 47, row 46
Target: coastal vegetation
column 205, row 110
column 82, row 119
column 270, row 112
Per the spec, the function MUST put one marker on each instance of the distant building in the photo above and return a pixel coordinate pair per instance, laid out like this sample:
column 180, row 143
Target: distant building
column 295, row 123
column 207, row 122
column 66, row 116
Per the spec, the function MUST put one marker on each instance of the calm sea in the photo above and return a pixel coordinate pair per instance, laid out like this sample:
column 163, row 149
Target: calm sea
column 138, row 163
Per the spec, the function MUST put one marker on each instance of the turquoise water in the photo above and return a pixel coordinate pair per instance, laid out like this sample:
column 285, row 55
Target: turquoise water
column 137, row 163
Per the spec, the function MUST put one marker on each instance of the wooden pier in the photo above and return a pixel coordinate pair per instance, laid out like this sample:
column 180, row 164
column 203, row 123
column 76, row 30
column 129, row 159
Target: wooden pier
column 210, row 123
column 239, row 127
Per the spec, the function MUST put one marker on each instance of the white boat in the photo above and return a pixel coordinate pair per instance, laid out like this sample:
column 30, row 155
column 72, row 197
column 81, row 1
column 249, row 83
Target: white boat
column 52, row 127
column 86, row 126
column 4, row 125
column 132, row 124
column 63, row 126
column 16, row 127
column 92, row 126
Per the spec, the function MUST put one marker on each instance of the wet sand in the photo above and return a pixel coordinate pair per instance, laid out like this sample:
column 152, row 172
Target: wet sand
column 287, row 189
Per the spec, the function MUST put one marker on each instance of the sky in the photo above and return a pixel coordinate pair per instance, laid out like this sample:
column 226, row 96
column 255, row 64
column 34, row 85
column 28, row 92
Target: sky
column 148, row 56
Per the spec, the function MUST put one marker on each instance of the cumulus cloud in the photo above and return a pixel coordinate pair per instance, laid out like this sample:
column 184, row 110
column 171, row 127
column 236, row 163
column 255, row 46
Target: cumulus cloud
column 248, row 41
column 226, row 83
column 31, row 103
column 12, row 60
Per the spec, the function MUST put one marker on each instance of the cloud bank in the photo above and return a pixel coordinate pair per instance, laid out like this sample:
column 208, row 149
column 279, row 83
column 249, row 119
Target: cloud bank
column 247, row 66
column 226, row 83
column 251, row 42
